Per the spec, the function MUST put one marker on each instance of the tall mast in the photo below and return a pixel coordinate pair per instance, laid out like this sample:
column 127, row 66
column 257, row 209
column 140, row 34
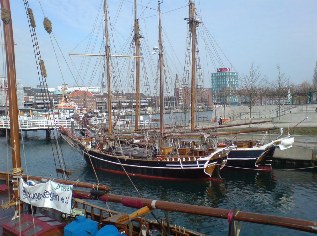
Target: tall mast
column 107, row 50
column 193, row 23
column 13, row 108
column 137, row 66
column 161, row 72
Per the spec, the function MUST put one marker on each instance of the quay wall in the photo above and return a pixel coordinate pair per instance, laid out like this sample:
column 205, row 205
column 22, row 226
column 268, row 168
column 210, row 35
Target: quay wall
column 295, row 158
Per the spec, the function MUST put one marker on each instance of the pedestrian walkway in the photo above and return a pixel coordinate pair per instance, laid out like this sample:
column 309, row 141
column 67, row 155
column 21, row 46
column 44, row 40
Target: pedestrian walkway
column 283, row 117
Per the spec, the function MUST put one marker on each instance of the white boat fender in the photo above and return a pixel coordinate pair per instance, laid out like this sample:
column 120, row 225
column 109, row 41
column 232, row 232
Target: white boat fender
column 153, row 204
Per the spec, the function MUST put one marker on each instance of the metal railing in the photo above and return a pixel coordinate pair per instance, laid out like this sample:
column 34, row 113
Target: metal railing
column 36, row 124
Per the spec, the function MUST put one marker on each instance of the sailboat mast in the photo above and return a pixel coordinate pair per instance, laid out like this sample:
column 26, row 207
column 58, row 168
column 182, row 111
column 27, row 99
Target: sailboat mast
column 13, row 109
column 193, row 23
column 107, row 50
column 161, row 72
column 137, row 66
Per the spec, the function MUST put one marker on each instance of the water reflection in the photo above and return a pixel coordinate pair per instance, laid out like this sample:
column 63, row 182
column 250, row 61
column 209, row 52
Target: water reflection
column 207, row 193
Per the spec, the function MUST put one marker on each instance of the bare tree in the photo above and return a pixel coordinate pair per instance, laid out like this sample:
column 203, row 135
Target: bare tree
column 263, row 91
column 249, row 88
column 304, row 89
column 224, row 94
column 281, row 89
column 315, row 77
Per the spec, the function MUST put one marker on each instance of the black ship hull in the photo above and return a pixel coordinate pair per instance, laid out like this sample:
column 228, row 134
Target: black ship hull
column 156, row 169
column 251, row 158
column 173, row 168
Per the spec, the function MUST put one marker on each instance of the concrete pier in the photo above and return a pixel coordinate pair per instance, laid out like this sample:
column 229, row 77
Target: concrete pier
column 295, row 158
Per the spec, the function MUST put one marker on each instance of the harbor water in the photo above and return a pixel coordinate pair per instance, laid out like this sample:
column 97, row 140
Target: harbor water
column 281, row 193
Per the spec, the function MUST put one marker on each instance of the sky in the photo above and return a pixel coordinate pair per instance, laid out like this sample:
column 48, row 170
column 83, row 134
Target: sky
column 232, row 33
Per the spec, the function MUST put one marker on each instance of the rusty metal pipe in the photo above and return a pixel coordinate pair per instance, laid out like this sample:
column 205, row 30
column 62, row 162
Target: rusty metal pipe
column 286, row 222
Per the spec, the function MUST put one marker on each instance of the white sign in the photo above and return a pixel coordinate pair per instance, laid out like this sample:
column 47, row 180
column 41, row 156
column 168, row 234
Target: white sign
column 50, row 194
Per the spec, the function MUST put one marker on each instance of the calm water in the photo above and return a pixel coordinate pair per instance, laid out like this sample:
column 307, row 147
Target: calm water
column 282, row 193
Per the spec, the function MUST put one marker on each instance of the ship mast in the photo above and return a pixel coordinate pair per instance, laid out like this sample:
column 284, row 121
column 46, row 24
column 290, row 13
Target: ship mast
column 137, row 66
column 107, row 51
column 161, row 71
column 193, row 23
column 13, row 108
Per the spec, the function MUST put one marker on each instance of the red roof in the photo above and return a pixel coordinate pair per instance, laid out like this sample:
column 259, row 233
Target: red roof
column 80, row 93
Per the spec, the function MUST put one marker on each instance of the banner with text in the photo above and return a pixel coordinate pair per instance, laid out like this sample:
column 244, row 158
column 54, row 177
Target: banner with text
column 50, row 194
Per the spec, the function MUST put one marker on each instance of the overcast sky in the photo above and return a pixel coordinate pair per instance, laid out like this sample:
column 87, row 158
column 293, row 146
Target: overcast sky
column 233, row 33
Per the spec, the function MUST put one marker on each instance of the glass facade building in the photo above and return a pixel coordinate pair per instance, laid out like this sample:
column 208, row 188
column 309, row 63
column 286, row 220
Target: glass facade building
column 224, row 84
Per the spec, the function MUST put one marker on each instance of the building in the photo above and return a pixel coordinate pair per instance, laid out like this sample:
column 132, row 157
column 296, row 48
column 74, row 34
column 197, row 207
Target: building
column 101, row 102
column 4, row 93
column 203, row 97
column 41, row 97
column 29, row 97
column 84, row 99
column 69, row 89
column 224, row 84
column 183, row 97
column 170, row 102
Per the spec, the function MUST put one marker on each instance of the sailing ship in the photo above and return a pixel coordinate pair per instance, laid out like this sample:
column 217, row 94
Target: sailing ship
column 132, row 156
column 55, row 199
column 166, row 155
column 148, row 155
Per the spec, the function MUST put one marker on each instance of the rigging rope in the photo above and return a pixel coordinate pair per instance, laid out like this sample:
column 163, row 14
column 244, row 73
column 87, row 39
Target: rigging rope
column 127, row 174
column 42, row 74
